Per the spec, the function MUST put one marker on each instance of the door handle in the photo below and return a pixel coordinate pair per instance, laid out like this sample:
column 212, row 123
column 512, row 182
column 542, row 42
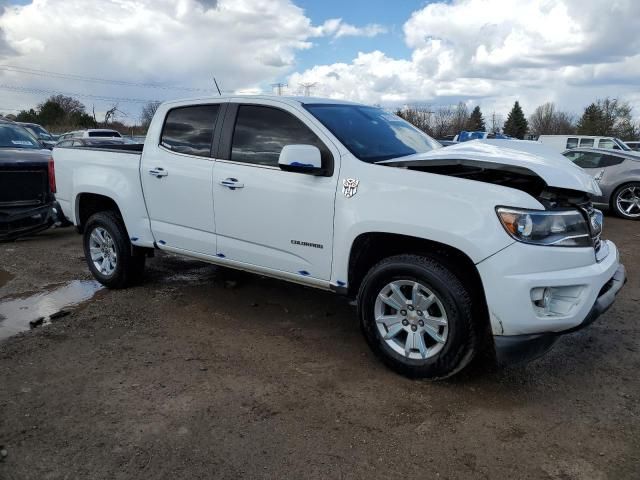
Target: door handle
column 158, row 172
column 231, row 183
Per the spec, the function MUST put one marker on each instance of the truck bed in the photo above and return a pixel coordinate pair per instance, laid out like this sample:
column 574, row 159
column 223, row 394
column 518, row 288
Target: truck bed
column 110, row 172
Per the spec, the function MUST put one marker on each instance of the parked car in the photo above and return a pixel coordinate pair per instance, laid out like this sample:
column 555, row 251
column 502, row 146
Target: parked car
column 564, row 142
column 134, row 139
column 91, row 133
column 617, row 174
column 633, row 145
column 438, row 246
column 41, row 133
column 27, row 184
column 90, row 142
column 467, row 136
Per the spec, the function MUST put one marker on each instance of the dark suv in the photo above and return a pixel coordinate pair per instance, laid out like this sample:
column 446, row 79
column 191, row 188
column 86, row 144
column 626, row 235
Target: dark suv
column 27, row 184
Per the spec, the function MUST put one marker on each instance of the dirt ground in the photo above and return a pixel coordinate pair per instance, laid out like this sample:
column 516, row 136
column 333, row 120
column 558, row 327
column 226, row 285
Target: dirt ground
column 205, row 373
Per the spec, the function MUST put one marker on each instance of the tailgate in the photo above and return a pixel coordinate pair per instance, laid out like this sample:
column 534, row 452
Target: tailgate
column 23, row 187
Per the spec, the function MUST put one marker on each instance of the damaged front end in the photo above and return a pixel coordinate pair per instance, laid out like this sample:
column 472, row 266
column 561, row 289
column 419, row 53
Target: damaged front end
column 559, row 186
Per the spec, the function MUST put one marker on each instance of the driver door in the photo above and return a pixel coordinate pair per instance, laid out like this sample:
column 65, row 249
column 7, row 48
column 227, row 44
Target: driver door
column 265, row 216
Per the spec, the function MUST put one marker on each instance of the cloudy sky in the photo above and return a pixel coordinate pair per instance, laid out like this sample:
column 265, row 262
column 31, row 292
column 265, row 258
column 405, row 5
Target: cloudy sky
column 486, row 52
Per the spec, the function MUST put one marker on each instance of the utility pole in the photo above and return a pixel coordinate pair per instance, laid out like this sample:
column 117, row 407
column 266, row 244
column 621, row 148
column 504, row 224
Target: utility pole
column 279, row 87
column 307, row 88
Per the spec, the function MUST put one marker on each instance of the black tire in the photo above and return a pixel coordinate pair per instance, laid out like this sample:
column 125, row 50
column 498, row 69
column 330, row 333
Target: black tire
column 463, row 333
column 129, row 268
column 614, row 200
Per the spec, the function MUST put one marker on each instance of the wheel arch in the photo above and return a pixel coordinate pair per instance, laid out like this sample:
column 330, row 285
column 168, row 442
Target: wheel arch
column 370, row 248
column 88, row 203
column 615, row 189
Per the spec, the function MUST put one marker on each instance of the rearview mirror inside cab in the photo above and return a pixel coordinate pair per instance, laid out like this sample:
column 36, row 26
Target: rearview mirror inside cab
column 301, row 158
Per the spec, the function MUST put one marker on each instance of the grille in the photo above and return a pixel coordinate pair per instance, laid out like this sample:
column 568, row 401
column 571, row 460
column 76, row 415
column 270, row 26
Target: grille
column 594, row 220
column 26, row 187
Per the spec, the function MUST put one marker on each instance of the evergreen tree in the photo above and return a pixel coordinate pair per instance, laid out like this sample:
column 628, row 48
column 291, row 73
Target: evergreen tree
column 592, row 121
column 476, row 121
column 516, row 124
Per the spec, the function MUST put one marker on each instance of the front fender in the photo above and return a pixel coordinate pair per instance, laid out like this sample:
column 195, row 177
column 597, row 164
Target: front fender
column 453, row 211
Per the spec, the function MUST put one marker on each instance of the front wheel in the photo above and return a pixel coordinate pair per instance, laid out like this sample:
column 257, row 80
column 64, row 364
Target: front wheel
column 107, row 251
column 416, row 316
column 626, row 201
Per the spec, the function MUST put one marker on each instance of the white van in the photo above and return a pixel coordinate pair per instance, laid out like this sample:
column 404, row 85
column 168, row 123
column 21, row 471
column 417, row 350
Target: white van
column 565, row 142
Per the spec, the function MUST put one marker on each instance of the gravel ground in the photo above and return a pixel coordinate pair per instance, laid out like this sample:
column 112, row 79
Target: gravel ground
column 206, row 373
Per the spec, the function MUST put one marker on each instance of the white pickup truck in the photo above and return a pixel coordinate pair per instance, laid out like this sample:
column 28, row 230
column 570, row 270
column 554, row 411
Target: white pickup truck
column 447, row 251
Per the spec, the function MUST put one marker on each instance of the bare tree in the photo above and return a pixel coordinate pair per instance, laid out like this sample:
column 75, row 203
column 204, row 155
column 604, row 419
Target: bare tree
column 443, row 122
column 460, row 118
column 111, row 114
column 147, row 113
column 69, row 105
column 546, row 120
column 420, row 117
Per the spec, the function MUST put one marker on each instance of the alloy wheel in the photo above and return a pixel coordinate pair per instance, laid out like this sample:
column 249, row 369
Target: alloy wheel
column 411, row 319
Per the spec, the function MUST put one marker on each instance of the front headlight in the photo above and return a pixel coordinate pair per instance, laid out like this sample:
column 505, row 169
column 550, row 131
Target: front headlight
column 564, row 228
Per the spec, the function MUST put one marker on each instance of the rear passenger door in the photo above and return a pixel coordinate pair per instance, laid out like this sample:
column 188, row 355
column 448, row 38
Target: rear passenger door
column 267, row 217
column 604, row 167
column 177, row 176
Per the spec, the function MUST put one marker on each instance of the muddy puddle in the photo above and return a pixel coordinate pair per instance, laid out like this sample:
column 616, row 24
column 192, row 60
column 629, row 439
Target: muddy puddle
column 20, row 314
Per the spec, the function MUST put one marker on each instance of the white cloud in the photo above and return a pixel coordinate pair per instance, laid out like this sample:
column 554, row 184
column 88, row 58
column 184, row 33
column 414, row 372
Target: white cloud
column 336, row 27
column 497, row 51
column 244, row 43
column 490, row 51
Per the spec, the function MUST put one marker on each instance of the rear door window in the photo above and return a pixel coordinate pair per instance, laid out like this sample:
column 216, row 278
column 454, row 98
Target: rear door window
column 610, row 160
column 189, row 130
column 586, row 142
column 572, row 142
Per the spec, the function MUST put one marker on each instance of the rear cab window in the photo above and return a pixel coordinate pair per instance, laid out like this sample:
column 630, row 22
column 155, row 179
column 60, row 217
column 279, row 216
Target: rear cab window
column 189, row 130
column 105, row 134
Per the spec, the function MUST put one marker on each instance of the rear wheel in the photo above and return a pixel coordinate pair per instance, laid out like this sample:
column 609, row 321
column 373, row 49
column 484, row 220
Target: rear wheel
column 108, row 251
column 625, row 201
column 416, row 316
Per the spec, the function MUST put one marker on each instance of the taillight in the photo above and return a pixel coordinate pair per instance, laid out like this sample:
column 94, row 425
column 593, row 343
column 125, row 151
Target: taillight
column 52, row 175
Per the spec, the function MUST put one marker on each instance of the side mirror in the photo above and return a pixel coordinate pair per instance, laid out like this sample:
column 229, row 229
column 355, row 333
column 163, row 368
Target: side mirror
column 301, row 159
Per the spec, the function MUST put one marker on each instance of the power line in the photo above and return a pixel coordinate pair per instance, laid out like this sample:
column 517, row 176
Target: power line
column 82, row 78
column 15, row 88
column 279, row 87
column 307, row 88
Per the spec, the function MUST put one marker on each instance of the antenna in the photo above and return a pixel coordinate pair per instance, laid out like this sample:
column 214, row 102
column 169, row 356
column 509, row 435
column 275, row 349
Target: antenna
column 279, row 87
column 216, row 83
column 307, row 88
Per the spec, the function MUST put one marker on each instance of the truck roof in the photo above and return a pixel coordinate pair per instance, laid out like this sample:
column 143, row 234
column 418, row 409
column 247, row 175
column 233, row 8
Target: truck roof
column 284, row 99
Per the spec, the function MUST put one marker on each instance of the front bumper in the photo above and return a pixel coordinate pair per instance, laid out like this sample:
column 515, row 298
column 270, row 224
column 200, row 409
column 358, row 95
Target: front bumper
column 510, row 277
column 18, row 222
column 512, row 349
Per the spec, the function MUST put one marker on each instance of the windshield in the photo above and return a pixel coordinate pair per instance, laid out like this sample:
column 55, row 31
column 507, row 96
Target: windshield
column 370, row 133
column 39, row 132
column 13, row 136
column 622, row 145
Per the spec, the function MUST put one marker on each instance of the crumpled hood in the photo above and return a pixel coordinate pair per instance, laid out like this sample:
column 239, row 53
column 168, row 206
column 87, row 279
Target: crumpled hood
column 556, row 170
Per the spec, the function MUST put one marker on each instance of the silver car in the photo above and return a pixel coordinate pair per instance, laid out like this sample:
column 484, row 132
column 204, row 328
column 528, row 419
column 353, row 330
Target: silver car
column 617, row 173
